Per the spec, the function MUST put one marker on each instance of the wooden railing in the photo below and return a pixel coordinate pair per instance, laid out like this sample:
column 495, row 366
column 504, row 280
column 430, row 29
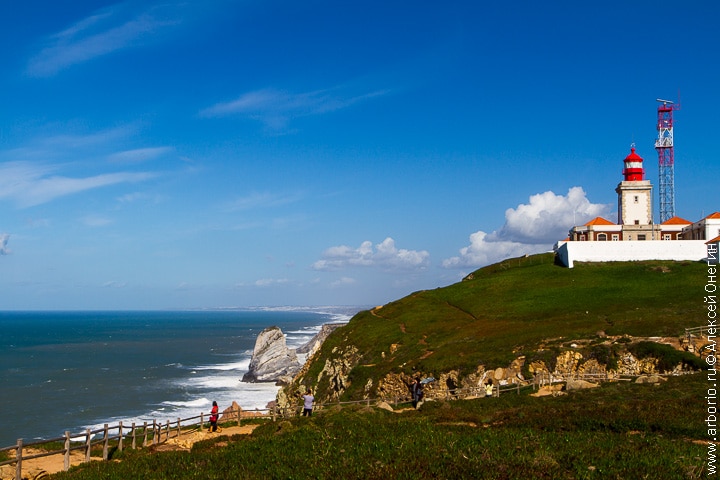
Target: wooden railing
column 701, row 331
column 144, row 435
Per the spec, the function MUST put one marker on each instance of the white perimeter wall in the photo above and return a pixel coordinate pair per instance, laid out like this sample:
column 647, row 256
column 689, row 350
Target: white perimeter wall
column 569, row 252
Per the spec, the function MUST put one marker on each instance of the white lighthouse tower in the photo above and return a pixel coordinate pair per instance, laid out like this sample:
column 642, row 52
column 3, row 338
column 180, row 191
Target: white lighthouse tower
column 635, row 200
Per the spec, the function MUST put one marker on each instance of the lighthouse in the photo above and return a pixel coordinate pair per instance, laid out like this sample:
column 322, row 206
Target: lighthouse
column 635, row 200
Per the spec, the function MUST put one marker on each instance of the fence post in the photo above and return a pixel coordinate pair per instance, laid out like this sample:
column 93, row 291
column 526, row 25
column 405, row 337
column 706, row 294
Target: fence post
column 105, row 442
column 178, row 428
column 167, row 430
column 144, row 434
column 120, row 439
column 155, row 432
column 88, row 445
column 66, row 461
column 238, row 415
column 18, row 457
column 134, row 445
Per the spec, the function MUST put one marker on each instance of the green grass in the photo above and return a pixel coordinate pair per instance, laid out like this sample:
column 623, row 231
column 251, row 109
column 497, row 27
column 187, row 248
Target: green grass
column 508, row 309
column 615, row 431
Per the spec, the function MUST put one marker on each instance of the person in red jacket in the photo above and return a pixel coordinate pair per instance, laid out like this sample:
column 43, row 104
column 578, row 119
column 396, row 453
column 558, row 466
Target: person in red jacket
column 213, row 418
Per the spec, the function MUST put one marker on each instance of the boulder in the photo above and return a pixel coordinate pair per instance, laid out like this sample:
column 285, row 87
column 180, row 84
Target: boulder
column 271, row 360
column 231, row 413
column 650, row 379
column 385, row 406
column 553, row 390
column 579, row 385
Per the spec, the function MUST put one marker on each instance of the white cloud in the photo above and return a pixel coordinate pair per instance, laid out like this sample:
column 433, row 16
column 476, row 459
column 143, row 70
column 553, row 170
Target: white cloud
column 529, row 228
column 139, row 155
column 95, row 221
column 104, row 32
column 261, row 200
column 485, row 249
column 4, row 238
column 30, row 184
column 342, row 282
column 275, row 108
column 548, row 217
column 269, row 282
column 385, row 255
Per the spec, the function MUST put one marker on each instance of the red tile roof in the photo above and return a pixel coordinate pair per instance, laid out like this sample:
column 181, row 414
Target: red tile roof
column 599, row 221
column 676, row 221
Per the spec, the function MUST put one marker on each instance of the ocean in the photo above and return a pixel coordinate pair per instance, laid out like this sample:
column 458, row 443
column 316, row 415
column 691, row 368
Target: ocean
column 75, row 370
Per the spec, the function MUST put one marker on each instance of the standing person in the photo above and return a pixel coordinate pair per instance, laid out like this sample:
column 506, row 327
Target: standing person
column 308, row 403
column 213, row 418
column 417, row 392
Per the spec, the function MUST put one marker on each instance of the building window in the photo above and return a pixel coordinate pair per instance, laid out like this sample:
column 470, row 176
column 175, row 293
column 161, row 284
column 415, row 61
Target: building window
column 667, row 236
column 636, row 198
column 637, row 222
column 641, row 237
column 615, row 237
column 582, row 238
column 602, row 237
column 629, row 236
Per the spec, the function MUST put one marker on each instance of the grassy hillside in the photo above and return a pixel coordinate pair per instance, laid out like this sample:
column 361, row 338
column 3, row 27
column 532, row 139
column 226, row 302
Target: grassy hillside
column 618, row 430
column 509, row 309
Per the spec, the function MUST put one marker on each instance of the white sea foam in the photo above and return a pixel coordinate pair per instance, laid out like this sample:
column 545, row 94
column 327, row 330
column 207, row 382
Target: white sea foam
column 241, row 365
column 201, row 402
column 220, row 382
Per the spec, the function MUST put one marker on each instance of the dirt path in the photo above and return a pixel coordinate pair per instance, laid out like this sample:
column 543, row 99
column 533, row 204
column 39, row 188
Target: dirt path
column 38, row 468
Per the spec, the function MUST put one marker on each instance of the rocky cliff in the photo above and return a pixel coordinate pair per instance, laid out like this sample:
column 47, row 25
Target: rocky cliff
column 314, row 344
column 568, row 365
column 272, row 360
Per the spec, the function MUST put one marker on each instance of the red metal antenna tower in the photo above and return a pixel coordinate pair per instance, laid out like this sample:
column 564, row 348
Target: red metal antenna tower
column 666, row 158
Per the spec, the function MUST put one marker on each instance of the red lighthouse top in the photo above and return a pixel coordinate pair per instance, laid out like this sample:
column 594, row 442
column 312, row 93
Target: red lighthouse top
column 633, row 170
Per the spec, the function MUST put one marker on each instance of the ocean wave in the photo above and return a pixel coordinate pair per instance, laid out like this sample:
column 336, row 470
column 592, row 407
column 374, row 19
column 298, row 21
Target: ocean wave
column 200, row 402
column 223, row 367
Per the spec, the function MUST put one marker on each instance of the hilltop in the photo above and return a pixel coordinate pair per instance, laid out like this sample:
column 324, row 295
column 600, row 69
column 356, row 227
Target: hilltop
column 525, row 308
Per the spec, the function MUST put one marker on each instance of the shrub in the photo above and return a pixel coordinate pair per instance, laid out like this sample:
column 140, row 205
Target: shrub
column 667, row 356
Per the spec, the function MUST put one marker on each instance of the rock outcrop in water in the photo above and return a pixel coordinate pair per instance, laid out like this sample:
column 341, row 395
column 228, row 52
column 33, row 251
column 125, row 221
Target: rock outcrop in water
column 272, row 360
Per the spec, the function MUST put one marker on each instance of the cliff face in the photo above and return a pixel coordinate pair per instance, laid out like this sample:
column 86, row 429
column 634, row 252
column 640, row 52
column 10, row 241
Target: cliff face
column 272, row 360
column 314, row 344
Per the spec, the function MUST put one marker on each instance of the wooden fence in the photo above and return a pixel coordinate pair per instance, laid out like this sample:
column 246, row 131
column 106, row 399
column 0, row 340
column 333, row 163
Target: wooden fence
column 116, row 435
column 701, row 331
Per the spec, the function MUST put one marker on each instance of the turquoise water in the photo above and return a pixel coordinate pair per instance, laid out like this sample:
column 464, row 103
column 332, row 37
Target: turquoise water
column 72, row 370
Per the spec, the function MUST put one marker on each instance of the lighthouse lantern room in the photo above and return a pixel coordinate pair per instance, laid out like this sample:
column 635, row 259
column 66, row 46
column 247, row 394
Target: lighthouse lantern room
column 633, row 170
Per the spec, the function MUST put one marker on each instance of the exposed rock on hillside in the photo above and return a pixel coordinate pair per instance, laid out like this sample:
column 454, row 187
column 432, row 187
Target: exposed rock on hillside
column 337, row 370
column 272, row 360
column 314, row 344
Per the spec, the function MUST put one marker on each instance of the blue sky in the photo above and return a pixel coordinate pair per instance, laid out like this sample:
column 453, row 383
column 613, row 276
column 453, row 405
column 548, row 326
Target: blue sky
column 187, row 154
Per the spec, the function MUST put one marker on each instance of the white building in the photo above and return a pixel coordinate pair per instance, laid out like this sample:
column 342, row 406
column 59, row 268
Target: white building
column 635, row 236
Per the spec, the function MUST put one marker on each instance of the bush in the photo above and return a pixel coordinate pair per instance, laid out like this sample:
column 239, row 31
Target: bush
column 668, row 357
